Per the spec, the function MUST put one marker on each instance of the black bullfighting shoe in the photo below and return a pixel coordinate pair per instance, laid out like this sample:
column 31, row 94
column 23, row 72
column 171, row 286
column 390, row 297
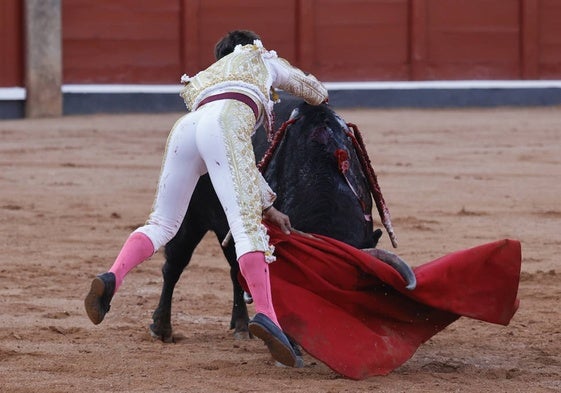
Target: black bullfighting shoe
column 98, row 300
column 261, row 326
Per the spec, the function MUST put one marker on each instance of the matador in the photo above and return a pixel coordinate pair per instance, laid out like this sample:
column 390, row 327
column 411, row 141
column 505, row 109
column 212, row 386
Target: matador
column 227, row 102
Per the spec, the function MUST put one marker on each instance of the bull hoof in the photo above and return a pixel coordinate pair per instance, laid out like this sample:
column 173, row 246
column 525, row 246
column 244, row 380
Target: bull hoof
column 241, row 329
column 242, row 335
column 165, row 337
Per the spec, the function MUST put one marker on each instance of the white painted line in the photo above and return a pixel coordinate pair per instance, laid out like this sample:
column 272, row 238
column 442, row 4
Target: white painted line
column 121, row 89
column 463, row 84
column 12, row 93
column 18, row 93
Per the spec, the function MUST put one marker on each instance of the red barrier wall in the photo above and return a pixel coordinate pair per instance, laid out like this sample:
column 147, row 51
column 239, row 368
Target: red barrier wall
column 125, row 41
column 11, row 43
column 548, row 38
column 143, row 41
column 475, row 39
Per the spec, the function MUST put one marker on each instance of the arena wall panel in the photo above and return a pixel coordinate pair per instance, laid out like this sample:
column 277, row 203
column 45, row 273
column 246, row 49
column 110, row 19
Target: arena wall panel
column 549, row 41
column 147, row 42
column 11, row 43
column 125, row 41
column 204, row 22
column 472, row 39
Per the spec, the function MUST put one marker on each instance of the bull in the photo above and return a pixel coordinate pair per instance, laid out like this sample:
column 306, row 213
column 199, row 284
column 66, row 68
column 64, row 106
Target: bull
column 319, row 176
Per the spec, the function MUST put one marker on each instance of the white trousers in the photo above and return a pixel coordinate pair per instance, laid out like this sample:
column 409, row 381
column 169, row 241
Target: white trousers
column 215, row 138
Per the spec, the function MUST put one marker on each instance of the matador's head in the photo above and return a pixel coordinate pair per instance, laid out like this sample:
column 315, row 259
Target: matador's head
column 227, row 43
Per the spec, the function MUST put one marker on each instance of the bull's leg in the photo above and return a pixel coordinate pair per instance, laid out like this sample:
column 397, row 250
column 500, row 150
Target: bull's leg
column 240, row 317
column 178, row 254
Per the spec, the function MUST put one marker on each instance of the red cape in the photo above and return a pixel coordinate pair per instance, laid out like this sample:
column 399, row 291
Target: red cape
column 352, row 311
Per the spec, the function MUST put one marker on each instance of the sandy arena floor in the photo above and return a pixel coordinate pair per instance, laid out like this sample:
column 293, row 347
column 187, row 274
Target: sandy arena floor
column 73, row 188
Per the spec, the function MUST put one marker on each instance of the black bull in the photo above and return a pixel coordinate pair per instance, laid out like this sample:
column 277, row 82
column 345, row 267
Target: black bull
column 320, row 185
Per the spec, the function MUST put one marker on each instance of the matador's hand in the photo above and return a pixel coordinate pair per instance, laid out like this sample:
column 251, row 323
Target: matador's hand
column 278, row 218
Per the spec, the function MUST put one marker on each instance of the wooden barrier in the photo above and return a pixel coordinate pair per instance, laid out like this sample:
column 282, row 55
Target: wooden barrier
column 147, row 42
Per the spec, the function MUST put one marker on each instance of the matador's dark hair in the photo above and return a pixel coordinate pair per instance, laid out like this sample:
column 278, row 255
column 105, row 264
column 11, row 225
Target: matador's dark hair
column 227, row 43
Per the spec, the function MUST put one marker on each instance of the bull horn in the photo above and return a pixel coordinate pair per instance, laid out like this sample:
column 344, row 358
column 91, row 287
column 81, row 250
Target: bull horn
column 397, row 263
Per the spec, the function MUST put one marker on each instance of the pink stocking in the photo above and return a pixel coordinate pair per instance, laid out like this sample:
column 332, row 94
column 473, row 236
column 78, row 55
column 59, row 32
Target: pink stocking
column 136, row 250
column 256, row 273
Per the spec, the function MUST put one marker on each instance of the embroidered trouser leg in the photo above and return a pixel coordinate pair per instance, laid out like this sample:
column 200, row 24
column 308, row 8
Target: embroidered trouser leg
column 215, row 138
column 232, row 169
column 181, row 168
column 234, row 175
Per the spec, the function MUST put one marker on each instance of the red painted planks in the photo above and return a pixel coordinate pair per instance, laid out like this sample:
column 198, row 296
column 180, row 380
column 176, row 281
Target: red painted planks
column 550, row 39
column 529, row 37
column 142, row 41
column 11, row 43
column 129, row 41
column 362, row 40
column 475, row 39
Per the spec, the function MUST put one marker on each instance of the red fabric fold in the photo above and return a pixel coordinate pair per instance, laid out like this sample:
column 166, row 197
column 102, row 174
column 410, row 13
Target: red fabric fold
column 352, row 311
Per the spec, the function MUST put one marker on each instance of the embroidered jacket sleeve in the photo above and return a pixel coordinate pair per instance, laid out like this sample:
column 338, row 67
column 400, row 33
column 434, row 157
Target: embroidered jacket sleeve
column 268, row 196
column 294, row 81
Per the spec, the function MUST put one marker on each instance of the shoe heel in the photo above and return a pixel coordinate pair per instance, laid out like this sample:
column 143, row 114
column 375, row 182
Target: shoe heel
column 279, row 351
column 91, row 303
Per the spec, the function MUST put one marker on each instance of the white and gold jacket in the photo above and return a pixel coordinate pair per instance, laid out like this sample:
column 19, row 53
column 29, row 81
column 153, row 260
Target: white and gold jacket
column 254, row 71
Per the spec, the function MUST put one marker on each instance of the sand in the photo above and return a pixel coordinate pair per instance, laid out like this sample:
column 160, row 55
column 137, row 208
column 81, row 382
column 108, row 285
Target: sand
column 73, row 188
